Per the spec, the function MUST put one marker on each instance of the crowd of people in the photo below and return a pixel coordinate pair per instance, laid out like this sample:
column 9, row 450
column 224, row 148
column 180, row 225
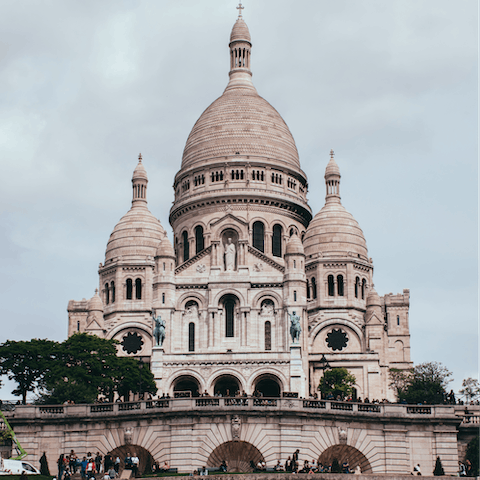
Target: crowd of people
column 93, row 467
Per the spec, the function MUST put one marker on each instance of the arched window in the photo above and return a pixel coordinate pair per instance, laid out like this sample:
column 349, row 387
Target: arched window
column 107, row 294
column 138, row 289
column 229, row 318
column 294, row 295
column 268, row 335
column 314, row 288
column 186, row 248
column 364, row 286
column 340, row 288
column 308, row 289
column 163, row 298
column 331, row 286
column 78, row 325
column 277, row 241
column 112, row 291
column 258, row 236
column 129, row 288
column 199, row 242
column 398, row 319
column 357, row 284
column 191, row 337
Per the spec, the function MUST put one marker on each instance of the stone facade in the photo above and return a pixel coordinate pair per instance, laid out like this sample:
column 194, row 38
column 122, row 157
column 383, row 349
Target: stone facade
column 190, row 433
column 247, row 257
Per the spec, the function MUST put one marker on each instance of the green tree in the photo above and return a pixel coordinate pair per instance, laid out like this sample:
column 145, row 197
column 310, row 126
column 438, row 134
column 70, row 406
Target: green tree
column 88, row 366
column 28, row 364
column 472, row 454
column 400, row 380
column 471, row 388
column 427, row 384
column 438, row 471
column 132, row 376
column 338, row 382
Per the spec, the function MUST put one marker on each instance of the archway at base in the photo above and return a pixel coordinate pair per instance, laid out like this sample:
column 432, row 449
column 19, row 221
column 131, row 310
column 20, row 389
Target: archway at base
column 145, row 457
column 345, row 453
column 238, row 455
column 268, row 385
column 186, row 383
column 226, row 386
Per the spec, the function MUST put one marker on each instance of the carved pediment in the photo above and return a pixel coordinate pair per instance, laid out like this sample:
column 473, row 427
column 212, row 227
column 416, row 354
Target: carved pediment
column 264, row 259
column 229, row 217
column 374, row 320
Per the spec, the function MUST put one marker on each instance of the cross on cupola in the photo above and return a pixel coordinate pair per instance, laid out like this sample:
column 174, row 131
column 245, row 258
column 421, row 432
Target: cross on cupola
column 240, row 8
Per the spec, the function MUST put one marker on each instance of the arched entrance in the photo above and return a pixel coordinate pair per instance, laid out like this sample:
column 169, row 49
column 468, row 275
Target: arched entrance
column 226, row 386
column 268, row 386
column 145, row 457
column 344, row 453
column 238, row 455
column 186, row 383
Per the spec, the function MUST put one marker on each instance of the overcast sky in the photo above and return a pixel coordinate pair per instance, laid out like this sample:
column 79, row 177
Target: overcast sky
column 390, row 86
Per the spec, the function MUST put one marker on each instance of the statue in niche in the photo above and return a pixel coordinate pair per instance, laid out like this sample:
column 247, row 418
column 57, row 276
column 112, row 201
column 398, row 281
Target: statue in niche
column 191, row 311
column 236, row 428
column 295, row 328
column 158, row 330
column 230, row 255
column 267, row 308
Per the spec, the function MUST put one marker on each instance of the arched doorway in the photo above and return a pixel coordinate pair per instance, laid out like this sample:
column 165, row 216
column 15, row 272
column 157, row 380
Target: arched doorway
column 226, row 386
column 145, row 457
column 345, row 453
column 238, row 455
column 186, row 383
column 268, row 386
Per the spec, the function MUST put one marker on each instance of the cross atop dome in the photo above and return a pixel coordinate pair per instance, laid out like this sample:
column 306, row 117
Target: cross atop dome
column 240, row 8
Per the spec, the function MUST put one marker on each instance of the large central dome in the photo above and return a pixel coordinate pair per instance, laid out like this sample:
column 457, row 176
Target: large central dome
column 240, row 122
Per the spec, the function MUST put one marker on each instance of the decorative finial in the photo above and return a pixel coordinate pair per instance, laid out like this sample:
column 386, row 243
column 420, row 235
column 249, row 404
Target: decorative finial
column 140, row 158
column 240, row 8
column 332, row 153
column 96, row 291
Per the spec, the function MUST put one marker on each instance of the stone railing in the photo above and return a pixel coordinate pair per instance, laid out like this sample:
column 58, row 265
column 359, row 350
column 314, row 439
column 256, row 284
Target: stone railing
column 182, row 406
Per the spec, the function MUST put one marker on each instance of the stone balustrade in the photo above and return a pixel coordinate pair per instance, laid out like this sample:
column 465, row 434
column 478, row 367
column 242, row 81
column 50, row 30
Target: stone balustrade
column 246, row 404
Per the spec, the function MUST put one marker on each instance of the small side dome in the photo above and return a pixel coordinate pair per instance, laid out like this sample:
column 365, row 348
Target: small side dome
column 332, row 167
column 240, row 32
column 95, row 304
column 334, row 231
column 139, row 173
column 165, row 249
column 294, row 246
column 373, row 299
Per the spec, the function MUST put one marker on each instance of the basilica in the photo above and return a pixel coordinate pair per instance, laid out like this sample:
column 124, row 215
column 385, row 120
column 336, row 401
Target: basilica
column 255, row 294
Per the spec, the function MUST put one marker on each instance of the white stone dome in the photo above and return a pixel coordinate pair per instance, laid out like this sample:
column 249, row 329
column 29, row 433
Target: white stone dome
column 240, row 31
column 294, row 246
column 240, row 122
column 136, row 235
column 95, row 304
column 334, row 231
column 165, row 249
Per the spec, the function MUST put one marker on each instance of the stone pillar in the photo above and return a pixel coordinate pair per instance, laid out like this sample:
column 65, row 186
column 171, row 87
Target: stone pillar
column 156, row 365
column 297, row 375
column 216, row 264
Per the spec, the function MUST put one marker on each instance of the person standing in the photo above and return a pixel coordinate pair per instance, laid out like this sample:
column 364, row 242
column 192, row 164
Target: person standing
column 44, row 470
column 61, row 466
column 98, row 462
column 135, row 464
